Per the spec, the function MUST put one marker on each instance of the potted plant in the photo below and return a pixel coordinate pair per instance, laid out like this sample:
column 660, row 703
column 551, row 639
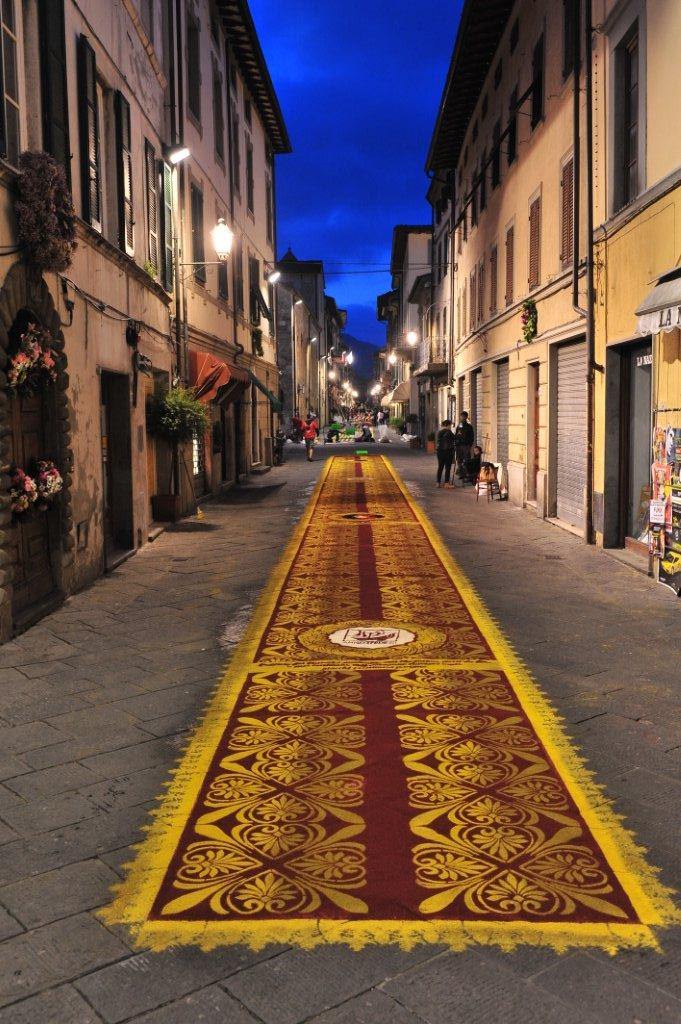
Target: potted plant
column 177, row 416
column 46, row 219
column 430, row 444
column 529, row 320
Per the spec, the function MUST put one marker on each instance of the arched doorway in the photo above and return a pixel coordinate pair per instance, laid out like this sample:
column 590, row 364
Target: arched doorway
column 34, row 540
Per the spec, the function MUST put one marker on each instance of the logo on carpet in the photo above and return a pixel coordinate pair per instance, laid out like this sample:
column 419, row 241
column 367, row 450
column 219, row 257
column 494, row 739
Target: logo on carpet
column 371, row 637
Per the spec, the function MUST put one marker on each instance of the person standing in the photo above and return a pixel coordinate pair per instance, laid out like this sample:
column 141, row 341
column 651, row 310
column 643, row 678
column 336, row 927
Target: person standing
column 444, row 449
column 310, row 432
column 464, row 437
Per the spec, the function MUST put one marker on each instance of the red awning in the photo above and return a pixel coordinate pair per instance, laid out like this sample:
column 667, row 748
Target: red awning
column 209, row 375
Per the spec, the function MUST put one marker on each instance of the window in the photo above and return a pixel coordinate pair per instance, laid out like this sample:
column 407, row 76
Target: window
column 493, row 280
column 238, row 260
column 250, row 181
column 465, row 309
column 474, row 300
column 537, row 83
column 126, row 230
column 483, row 182
column 534, row 269
column 89, row 134
column 446, row 253
column 459, row 240
column 248, row 115
column 223, row 283
column 465, row 223
column 570, row 9
column 481, row 291
column 474, row 199
column 269, row 209
column 236, row 152
column 512, row 130
column 151, row 188
column 218, row 115
column 254, row 290
column 498, row 72
column 10, row 140
column 444, row 333
column 567, row 186
column 496, row 155
column 627, row 76
column 194, row 66
column 509, row 266
column 53, row 83
column 515, row 35
column 198, row 250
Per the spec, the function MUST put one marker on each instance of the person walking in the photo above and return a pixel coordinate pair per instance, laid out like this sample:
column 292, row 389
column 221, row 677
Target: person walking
column 464, row 437
column 444, row 449
column 310, row 432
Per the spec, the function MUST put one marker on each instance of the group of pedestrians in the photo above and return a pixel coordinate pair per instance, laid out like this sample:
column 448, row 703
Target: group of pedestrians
column 457, row 448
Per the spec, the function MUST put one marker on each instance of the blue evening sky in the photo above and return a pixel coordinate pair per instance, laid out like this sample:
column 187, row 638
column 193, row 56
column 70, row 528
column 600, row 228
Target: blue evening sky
column 359, row 83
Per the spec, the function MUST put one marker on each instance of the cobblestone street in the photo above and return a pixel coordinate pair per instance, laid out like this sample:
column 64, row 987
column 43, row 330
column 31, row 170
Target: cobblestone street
column 96, row 703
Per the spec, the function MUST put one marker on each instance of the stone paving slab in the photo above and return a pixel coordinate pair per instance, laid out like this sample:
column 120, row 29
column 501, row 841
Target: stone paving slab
column 95, row 706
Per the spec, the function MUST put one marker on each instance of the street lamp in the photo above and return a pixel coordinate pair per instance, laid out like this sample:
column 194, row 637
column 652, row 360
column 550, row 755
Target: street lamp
column 223, row 239
column 274, row 277
column 412, row 338
column 331, row 374
column 176, row 154
column 355, row 394
column 392, row 358
column 347, row 386
column 350, row 358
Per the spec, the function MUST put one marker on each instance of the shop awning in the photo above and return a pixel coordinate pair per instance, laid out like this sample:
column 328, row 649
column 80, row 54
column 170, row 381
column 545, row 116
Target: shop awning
column 661, row 309
column 270, row 395
column 402, row 392
column 213, row 379
column 387, row 399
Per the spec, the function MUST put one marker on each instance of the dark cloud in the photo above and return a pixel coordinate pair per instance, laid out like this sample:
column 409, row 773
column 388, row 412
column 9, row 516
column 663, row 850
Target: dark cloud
column 359, row 83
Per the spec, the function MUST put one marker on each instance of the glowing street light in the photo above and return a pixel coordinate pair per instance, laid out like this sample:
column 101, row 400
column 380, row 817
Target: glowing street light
column 412, row 338
column 274, row 277
column 177, row 154
column 223, row 238
column 355, row 394
column 392, row 358
column 347, row 386
column 350, row 358
column 331, row 375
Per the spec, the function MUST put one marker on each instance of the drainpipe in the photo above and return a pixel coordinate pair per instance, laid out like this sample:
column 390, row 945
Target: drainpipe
column 588, row 312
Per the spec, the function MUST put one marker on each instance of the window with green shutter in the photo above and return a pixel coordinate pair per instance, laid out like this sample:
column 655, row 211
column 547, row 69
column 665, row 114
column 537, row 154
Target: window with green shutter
column 151, row 188
column 167, row 225
column 126, row 231
column 53, row 82
column 89, row 134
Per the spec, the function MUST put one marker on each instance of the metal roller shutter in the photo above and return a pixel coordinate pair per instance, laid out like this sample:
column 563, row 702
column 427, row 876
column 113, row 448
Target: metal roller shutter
column 571, row 434
column 502, row 413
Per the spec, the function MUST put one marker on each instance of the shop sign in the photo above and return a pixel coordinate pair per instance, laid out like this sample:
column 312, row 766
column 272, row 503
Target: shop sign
column 658, row 511
column 665, row 320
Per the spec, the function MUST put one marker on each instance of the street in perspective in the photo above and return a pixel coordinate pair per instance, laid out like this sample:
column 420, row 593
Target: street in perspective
column 340, row 540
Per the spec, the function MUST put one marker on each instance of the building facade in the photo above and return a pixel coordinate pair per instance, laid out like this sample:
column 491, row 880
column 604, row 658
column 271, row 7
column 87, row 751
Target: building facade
column 109, row 93
column 507, row 128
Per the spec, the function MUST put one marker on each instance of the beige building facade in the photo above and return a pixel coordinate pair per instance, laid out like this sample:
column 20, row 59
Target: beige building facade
column 508, row 135
column 106, row 90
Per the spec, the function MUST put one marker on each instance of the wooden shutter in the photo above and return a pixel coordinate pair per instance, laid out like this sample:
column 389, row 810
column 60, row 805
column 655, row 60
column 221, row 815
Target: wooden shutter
column 239, row 276
column 198, row 254
column 167, row 225
column 537, row 83
column 481, row 291
column 126, row 232
column 465, row 311
column 493, row 278
column 151, row 185
column 89, row 133
column 509, row 266
column 567, row 184
column 534, row 275
column 53, row 81
column 474, row 300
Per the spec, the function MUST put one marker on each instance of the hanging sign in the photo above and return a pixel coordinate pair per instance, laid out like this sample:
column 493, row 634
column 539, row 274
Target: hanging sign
column 658, row 511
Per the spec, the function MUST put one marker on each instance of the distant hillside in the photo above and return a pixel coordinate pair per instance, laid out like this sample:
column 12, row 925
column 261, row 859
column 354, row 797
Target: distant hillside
column 364, row 353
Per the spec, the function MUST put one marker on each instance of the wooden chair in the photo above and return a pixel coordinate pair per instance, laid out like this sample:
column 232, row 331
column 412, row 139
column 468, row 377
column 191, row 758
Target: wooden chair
column 489, row 487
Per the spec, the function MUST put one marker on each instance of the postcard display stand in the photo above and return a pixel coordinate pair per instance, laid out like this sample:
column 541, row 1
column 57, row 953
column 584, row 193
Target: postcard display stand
column 665, row 507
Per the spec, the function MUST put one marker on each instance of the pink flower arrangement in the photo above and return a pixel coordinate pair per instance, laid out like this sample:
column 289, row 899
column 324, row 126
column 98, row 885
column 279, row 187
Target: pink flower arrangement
column 48, row 482
column 23, row 491
column 33, row 366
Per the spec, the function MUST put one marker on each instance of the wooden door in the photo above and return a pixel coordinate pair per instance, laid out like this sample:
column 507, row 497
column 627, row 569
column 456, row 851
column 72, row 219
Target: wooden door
column 34, row 578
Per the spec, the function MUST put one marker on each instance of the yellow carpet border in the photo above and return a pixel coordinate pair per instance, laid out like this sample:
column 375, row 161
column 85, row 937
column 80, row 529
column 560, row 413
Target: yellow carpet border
column 134, row 896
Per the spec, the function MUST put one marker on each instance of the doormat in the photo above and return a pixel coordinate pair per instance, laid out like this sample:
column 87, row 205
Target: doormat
column 377, row 765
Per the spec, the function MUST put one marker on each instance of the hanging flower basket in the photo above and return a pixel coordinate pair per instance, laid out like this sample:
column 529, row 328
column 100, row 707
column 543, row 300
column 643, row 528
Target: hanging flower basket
column 23, row 492
column 48, row 482
column 46, row 219
column 528, row 318
column 33, row 367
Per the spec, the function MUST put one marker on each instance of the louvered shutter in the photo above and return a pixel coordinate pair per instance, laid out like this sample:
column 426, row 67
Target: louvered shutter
column 481, row 291
column 89, row 133
column 509, row 266
column 465, row 310
column 167, row 226
column 571, row 433
column 503, row 383
column 53, row 76
column 152, row 203
column 493, row 280
column 474, row 293
column 126, row 234
column 567, row 213
column 535, row 244
column 198, row 251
